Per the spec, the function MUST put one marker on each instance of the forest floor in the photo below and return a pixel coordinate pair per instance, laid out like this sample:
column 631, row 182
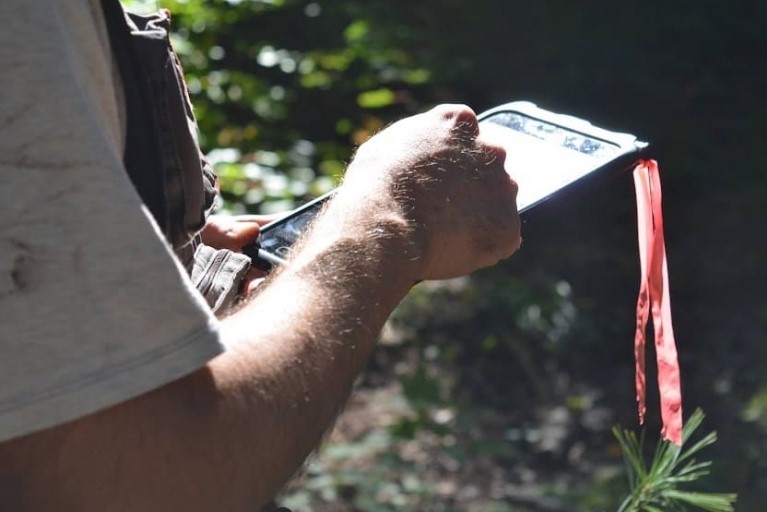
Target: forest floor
column 390, row 452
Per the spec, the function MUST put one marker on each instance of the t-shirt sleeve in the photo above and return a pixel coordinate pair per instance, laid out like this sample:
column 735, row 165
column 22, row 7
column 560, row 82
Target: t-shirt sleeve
column 94, row 308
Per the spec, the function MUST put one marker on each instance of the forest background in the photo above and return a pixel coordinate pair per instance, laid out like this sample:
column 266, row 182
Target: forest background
column 497, row 392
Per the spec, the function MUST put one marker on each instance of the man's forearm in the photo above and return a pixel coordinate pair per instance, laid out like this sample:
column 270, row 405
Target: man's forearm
column 323, row 314
column 229, row 436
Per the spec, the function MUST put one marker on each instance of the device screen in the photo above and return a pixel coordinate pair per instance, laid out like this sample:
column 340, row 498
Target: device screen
column 277, row 238
column 543, row 157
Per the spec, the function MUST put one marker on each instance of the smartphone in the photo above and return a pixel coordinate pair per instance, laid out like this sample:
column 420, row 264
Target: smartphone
column 547, row 154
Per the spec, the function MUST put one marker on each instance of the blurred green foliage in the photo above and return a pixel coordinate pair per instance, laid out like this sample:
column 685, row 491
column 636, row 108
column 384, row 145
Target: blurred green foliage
column 285, row 89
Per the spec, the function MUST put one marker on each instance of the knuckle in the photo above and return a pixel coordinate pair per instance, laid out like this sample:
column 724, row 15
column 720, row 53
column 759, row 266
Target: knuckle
column 508, row 232
column 461, row 119
column 495, row 154
column 451, row 110
column 508, row 247
column 513, row 189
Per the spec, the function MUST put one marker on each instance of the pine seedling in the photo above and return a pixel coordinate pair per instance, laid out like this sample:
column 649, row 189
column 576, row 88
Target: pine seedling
column 657, row 488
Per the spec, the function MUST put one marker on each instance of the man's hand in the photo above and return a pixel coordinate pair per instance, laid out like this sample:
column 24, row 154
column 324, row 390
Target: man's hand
column 447, row 181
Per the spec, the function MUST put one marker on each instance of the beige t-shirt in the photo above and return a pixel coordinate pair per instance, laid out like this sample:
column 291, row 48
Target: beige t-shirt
column 94, row 308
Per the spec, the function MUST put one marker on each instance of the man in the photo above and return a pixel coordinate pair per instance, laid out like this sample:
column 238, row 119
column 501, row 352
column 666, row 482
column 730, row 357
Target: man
column 118, row 388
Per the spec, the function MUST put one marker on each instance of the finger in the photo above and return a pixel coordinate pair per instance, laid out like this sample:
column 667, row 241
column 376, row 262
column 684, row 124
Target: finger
column 254, row 284
column 494, row 154
column 223, row 232
column 252, row 280
column 242, row 233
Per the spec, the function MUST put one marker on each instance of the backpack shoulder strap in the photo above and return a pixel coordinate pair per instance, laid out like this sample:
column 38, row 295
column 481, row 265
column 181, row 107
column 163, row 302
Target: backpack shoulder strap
column 141, row 156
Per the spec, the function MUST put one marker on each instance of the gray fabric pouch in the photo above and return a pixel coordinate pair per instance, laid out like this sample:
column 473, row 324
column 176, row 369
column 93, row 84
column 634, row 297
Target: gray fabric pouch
column 219, row 275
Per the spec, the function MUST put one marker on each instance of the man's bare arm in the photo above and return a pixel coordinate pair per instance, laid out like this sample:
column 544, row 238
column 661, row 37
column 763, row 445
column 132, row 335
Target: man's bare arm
column 422, row 200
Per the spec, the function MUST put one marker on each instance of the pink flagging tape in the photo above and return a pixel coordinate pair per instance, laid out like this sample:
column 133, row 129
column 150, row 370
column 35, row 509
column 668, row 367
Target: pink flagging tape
column 654, row 297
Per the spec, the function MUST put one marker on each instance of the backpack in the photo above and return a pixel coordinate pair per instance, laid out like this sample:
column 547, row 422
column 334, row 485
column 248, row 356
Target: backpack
column 162, row 154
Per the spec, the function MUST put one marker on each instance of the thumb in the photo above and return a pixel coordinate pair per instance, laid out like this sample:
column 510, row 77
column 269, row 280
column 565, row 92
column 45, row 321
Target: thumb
column 223, row 232
column 243, row 232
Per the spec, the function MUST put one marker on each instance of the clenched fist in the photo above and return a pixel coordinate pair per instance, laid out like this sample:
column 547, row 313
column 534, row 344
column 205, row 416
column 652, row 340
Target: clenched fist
column 445, row 179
